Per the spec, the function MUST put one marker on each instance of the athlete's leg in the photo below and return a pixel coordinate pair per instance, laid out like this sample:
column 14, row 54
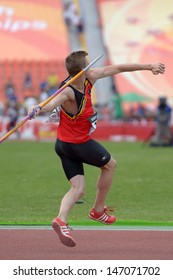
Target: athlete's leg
column 104, row 183
column 73, row 169
column 70, row 198
column 102, row 159
column 59, row 224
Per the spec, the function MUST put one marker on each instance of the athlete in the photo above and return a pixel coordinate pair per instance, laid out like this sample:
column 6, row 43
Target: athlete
column 74, row 144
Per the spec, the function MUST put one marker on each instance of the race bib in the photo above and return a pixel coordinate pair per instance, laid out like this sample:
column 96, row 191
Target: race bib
column 93, row 121
column 54, row 117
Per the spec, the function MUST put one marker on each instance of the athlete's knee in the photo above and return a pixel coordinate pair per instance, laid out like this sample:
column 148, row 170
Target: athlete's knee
column 78, row 185
column 114, row 163
column 111, row 165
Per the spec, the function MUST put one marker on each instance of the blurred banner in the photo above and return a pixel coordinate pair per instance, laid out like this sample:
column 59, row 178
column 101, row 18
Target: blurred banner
column 32, row 30
column 140, row 31
column 40, row 130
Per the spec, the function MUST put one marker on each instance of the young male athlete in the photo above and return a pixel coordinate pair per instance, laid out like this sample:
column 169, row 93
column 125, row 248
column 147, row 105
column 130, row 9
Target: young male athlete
column 74, row 144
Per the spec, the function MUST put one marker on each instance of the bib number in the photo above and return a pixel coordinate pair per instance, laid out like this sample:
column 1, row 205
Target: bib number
column 93, row 121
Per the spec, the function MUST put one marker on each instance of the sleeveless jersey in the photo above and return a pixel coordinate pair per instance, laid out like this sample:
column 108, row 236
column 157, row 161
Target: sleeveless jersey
column 77, row 128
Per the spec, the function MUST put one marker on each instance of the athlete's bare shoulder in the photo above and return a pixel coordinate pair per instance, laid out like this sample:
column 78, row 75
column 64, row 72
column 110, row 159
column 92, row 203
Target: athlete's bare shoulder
column 69, row 104
column 94, row 74
column 67, row 94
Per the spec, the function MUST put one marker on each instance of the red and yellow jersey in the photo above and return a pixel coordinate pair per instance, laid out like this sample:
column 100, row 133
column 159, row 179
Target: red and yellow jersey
column 77, row 128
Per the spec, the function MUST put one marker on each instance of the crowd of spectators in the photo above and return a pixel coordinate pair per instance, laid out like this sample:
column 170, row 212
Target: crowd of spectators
column 113, row 110
column 13, row 108
column 138, row 113
column 73, row 19
column 74, row 23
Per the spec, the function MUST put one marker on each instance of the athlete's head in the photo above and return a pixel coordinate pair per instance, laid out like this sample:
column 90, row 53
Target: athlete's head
column 75, row 62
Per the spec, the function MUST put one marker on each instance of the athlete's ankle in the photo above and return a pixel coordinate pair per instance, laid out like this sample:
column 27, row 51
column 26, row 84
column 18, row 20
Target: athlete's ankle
column 62, row 218
column 98, row 208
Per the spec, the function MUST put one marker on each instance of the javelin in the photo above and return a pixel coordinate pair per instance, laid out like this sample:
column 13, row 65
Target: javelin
column 44, row 103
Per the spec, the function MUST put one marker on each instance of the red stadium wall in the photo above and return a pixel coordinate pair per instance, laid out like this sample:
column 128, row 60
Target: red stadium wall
column 39, row 130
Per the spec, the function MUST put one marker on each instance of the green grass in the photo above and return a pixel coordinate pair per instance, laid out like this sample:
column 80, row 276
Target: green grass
column 32, row 184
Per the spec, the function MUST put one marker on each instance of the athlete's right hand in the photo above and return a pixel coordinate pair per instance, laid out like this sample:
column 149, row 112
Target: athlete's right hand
column 34, row 111
column 158, row 68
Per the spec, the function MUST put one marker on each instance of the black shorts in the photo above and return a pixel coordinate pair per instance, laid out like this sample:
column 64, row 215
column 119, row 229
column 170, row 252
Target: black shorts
column 74, row 155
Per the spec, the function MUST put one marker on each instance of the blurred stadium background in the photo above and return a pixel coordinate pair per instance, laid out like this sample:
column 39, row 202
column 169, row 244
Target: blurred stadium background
column 36, row 36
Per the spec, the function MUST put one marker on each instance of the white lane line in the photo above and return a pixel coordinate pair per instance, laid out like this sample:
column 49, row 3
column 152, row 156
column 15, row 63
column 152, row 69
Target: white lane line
column 116, row 228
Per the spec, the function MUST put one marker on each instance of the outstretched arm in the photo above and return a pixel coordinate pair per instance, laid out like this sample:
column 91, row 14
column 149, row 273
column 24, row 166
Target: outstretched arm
column 98, row 73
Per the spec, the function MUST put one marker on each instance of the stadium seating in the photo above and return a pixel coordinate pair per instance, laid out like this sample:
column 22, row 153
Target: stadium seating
column 39, row 71
column 35, row 42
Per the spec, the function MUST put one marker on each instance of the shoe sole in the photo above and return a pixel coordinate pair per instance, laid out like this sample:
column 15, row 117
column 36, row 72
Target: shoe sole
column 97, row 220
column 67, row 241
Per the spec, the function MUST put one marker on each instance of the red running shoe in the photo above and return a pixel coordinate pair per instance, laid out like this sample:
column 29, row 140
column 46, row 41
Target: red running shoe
column 63, row 232
column 103, row 216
